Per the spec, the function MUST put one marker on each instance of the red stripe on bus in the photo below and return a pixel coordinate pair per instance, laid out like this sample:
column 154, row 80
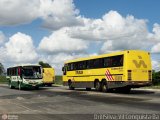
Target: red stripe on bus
column 107, row 75
column 110, row 75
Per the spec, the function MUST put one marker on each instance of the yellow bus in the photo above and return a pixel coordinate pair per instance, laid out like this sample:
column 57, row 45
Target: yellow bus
column 48, row 76
column 119, row 70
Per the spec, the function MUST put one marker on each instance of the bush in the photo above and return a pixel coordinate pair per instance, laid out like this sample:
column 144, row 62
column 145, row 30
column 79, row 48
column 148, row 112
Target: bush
column 3, row 79
column 156, row 78
column 58, row 80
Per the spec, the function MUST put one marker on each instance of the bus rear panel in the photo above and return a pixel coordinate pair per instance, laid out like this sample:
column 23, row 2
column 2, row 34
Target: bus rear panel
column 138, row 68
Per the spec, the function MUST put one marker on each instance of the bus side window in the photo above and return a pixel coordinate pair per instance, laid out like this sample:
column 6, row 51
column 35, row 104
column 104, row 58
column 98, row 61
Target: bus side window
column 84, row 65
column 87, row 64
column 91, row 64
column 69, row 67
column 64, row 69
column 117, row 61
column 121, row 61
column 106, row 62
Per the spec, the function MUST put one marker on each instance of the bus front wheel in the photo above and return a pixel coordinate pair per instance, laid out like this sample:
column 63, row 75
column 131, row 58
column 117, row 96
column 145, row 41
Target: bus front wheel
column 10, row 85
column 70, row 85
column 104, row 86
column 97, row 86
column 19, row 86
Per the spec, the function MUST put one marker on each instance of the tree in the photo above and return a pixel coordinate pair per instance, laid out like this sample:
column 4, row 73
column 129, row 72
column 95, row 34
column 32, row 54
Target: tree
column 44, row 65
column 156, row 77
column 2, row 70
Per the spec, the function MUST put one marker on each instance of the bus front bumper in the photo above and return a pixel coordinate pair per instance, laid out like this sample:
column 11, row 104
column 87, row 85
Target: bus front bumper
column 136, row 84
column 24, row 85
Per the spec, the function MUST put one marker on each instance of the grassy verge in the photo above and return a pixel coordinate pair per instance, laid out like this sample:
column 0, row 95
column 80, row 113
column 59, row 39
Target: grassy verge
column 153, row 87
column 3, row 80
column 58, row 80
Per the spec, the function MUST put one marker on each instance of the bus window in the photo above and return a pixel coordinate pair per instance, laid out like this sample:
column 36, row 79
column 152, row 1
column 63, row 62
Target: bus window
column 106, row 62
column 84, row 65
column 69, row 67
column 87, row 64
column 114, row 61
column 117, row 61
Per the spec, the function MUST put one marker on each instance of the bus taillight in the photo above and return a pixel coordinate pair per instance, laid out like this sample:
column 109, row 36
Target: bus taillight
column 129, row 75
column 149, row 75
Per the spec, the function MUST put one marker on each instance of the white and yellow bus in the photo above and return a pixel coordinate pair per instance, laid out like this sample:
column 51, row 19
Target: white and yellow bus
column 119, row 70
column 25, row 76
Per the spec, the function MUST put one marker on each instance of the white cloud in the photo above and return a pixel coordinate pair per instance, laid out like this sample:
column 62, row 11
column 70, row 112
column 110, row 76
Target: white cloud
column 117, row 32
column 54, row 13
column 13, row 12
column 59, row 13
column 2, row 38
column 107, row 47
column 20, row 49
column 60, row 41
column 155, row 35
column 156, row 48
column 155, row 65
column 155, row 38
column 111, row 26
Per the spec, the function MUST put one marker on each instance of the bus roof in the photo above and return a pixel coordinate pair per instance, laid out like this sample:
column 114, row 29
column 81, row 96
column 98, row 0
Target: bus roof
column 103, row 55
column 23, row 65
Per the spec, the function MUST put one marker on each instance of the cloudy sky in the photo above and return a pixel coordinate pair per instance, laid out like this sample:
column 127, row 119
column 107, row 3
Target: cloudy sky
column 54, row 31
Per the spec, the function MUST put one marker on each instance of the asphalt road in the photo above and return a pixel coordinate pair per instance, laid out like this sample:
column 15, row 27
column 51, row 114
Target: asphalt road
column 58, row 102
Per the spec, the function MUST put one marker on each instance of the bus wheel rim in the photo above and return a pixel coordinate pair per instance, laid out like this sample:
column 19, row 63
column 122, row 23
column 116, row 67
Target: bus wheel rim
column 104, row 88
column 97, row 85
column 19, row 86
column 10, row 85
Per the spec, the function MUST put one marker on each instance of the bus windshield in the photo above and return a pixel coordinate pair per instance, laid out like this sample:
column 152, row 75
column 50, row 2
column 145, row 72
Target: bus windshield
column 32, row 72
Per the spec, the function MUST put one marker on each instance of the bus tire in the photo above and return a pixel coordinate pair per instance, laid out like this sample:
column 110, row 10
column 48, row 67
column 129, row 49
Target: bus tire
column 49, row 84
column 19, row 86
column 70, row 85
column 126, row 90
column 10, row 85
column 37, row 88
column 104, row 86
column 88, row 89
column 97, row 86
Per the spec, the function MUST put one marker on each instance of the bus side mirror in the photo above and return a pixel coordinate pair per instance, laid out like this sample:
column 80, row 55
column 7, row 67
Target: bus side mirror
column 62, row 68
column 43, row 70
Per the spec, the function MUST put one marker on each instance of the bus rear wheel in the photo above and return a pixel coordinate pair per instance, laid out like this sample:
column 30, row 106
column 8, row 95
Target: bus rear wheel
column 70, row 85
column 104, row 86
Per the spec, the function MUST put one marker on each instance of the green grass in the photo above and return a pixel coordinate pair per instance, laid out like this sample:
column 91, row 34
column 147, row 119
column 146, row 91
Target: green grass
column 58, row 80
column 3, row 80
column 153, row 87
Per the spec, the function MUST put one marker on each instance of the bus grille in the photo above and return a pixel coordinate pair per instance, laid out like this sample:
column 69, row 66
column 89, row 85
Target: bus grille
column 150, row 75
column 129, row 75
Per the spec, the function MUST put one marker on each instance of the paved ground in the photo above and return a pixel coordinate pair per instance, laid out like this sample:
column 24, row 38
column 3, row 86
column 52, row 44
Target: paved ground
column 60, row 103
